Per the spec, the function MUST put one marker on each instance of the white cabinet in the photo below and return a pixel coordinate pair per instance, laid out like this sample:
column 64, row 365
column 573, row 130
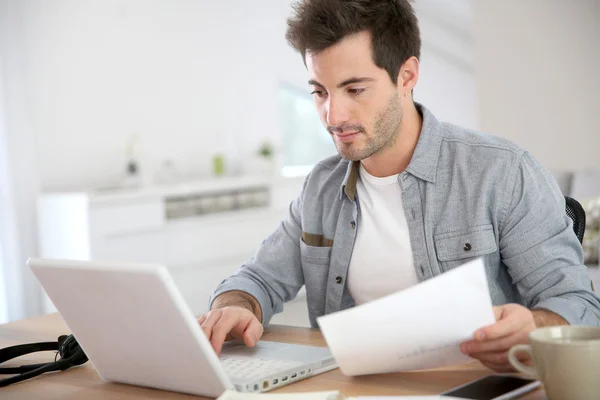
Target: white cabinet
column 201, row 231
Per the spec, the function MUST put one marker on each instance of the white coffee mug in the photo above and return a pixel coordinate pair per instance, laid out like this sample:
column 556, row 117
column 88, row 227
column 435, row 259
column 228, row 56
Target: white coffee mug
column 565, row 358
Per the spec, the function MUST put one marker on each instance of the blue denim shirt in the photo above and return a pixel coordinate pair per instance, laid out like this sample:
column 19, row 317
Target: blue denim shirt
column 466, row 195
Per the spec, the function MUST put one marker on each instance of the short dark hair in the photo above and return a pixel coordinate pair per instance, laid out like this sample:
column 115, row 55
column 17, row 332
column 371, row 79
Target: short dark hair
column 318, row 24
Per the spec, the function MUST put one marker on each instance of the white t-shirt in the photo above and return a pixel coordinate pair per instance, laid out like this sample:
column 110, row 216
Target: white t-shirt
column 382, row 261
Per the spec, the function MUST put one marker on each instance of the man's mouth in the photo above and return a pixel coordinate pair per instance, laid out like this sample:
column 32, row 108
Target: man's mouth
column 346, row 136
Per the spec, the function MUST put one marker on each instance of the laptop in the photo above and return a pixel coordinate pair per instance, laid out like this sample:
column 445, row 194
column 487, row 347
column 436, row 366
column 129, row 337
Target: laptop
column 135, row 327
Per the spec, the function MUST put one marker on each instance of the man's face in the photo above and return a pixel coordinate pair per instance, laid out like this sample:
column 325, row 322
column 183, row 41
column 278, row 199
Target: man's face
column 356, row 100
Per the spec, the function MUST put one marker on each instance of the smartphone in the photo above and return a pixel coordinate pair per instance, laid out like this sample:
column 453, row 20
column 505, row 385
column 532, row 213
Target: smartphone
column 494, row 387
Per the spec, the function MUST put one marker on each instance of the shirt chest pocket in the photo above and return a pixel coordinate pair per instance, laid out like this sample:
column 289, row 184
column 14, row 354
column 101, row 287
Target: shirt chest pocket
column 315, row 268
column 458, row 247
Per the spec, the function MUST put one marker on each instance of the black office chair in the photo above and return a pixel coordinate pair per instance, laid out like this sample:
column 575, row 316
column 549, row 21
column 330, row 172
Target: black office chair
column 576, row 212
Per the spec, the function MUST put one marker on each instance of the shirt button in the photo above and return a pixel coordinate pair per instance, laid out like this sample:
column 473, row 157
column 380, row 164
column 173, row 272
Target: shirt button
column 338, row 279
column 353, row 225
column 467, row 247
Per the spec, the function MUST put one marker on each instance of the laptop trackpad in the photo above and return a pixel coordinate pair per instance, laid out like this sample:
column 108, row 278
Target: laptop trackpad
column 275, row 350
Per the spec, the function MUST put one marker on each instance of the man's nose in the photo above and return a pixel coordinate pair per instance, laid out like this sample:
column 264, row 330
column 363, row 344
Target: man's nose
column 337, row 112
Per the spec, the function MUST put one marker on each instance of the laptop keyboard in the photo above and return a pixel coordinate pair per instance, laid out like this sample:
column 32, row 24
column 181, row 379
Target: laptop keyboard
column 255, row 368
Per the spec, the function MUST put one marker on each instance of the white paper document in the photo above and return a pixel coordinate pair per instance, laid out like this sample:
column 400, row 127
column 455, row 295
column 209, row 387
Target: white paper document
column 331, row 395
column 233, row 395
column 401, row 398
column 418, row 328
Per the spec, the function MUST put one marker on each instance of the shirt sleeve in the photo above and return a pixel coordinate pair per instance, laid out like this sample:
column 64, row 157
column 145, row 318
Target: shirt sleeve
column 274, row 275
column 540, row 248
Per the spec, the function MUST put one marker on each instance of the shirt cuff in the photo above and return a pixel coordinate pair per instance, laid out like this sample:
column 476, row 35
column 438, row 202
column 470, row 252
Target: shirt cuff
column 572, row 310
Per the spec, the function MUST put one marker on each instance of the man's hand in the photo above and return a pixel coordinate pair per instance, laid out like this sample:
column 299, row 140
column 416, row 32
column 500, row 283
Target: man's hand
column 491, row 343
column 226, row 323
column 513, row 325
column 234, row 314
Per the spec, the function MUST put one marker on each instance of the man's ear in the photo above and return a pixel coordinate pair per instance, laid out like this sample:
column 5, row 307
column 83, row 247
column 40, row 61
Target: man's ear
column 408, row 76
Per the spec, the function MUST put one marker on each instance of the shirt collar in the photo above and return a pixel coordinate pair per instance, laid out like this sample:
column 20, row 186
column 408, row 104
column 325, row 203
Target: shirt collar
column 423, row 163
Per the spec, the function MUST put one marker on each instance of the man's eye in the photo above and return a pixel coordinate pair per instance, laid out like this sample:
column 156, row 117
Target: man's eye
column 356, row 90
column 318, row 93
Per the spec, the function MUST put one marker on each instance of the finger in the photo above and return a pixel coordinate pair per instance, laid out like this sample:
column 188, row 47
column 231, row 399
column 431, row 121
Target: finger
column 507, row 366
column 239, row 330
column 502, row 344
column 202, row 319
column 226, row 324
column 497, row 358
column 497, row 312
column 211, row 320
column 500, row 358
column 499, row 367
column 253, row 333
column 507, row 325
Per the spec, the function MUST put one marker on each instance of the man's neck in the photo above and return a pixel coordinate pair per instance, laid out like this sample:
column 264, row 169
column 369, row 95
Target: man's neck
column 395, row 159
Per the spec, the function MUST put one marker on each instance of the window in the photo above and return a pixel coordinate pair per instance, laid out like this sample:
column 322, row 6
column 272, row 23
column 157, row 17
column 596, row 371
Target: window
column 305, row 139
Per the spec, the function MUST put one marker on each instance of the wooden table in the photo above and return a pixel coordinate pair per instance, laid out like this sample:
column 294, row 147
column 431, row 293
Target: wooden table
column 84, row 383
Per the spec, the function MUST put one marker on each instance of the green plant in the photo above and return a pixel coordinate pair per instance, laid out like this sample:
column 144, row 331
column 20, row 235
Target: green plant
column 218, row 164
column 265, row 150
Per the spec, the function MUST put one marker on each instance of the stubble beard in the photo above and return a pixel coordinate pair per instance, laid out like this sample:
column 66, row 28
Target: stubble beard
column 386, row 127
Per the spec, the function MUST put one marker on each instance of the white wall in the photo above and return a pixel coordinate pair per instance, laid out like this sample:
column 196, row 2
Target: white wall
column 538, row 83
column 180, row 74
column 447, row 69
column 19, row 178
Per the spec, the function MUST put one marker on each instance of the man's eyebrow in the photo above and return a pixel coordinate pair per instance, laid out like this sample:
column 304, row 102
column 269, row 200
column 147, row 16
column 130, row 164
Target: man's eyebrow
column 354, row 80
column 344, row 83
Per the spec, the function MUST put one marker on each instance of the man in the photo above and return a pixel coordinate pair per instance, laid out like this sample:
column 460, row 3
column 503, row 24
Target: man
column 407, row 199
